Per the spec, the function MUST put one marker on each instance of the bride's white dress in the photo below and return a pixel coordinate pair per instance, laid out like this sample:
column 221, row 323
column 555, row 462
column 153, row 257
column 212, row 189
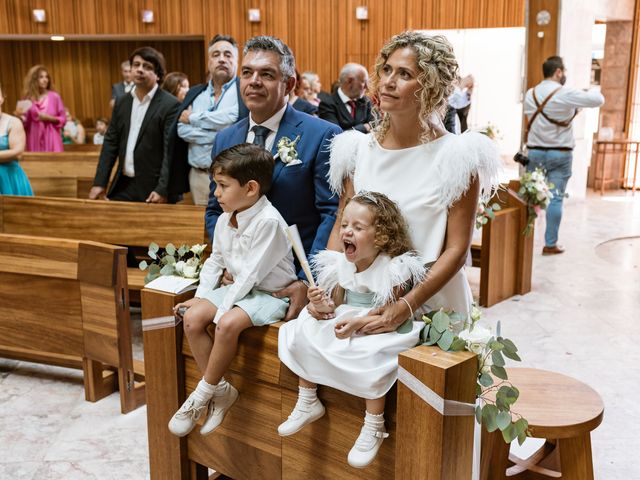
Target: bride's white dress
column 424, row 181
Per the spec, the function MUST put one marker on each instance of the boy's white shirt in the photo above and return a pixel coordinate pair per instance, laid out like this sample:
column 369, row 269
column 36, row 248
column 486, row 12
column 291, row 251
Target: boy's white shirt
column 256, row 254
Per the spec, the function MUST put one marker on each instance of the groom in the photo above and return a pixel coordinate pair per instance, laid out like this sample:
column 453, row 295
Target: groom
column 300, row 190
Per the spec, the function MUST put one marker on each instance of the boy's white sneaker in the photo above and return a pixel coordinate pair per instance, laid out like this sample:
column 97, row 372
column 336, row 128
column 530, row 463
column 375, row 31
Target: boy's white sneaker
column 303, row 414
column 367, row 444
column 219, row 404
column 186, row 417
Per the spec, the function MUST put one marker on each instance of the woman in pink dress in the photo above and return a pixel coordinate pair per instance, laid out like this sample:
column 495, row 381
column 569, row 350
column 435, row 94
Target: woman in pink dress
column 42, row 112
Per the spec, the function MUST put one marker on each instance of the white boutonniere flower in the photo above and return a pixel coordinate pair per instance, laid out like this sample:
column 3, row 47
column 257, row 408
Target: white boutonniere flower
column 287, row 152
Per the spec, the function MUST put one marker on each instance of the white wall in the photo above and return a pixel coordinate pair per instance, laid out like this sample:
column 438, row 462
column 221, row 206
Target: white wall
column 495, row 57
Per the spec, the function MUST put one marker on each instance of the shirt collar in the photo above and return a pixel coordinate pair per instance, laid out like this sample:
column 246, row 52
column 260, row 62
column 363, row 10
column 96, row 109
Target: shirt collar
column 272, row 123
column 148, row 96
column 225, row 87
column 343, row 96
column 244, row 217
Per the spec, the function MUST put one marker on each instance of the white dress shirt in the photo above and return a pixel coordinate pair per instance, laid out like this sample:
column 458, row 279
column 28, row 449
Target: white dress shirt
column 257, row 254
column 272, row 124
column 138, row 111
column 561, row 108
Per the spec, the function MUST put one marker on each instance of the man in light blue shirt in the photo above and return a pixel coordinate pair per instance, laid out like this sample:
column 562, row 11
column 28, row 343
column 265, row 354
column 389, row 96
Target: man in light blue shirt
column 207, row 109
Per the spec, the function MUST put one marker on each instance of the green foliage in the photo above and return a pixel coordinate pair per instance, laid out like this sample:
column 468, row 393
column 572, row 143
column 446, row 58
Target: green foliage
column 485, row 213
column 494, row 412
column 184, row 261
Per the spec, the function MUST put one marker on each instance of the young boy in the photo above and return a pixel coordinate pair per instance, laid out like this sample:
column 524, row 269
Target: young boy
column 101, row 129
column 250, row 244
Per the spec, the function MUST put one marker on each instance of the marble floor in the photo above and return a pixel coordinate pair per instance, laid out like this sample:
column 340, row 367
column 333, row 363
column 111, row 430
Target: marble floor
column 581, row 319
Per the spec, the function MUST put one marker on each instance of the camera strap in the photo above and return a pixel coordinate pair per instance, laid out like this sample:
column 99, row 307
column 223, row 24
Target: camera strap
column 540, row 111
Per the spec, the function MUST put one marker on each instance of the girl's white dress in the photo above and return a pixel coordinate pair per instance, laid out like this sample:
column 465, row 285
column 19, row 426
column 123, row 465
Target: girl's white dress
column 424, row 181
column 362, row 365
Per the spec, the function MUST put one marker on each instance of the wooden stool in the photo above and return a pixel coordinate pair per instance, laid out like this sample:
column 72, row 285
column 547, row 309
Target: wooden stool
column 561, row 410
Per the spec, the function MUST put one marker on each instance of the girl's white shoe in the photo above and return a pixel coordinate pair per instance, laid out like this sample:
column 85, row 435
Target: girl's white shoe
column 303, row 414
column 367, row 444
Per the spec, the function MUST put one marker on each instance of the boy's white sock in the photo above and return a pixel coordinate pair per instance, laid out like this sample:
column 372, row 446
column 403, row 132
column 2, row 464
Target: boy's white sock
column 204, row 391
column 220, row 387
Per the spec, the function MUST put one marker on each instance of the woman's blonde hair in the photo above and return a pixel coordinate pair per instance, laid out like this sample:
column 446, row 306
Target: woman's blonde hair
column 437, row 72
column 31, row 89
column 392, row 232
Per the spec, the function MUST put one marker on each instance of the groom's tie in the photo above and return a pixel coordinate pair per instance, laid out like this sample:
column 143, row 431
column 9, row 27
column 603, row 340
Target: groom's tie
column 261, row 134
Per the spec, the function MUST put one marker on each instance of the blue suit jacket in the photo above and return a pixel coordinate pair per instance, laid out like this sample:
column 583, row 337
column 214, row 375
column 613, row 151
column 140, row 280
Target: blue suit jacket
column 300, row 192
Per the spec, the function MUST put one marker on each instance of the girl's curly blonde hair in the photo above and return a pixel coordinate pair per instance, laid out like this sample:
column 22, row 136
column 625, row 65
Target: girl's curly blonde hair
column 392, row 232
column 437, row 71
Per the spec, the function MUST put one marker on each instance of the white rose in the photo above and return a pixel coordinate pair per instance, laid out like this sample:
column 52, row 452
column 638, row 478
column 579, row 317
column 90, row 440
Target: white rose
column 189, row 271
column 179, row 267
column 476, row 339
column 197, row 249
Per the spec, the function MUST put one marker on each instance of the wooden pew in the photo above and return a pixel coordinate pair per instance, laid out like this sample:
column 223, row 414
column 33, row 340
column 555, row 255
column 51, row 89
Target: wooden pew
column 505, row 255
column 119, row 223
column 422, row 443
column 63, row 174
column 83, row 147
column 65, row 302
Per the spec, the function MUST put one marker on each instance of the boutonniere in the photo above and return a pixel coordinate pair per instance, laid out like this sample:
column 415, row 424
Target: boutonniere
column 287, row 152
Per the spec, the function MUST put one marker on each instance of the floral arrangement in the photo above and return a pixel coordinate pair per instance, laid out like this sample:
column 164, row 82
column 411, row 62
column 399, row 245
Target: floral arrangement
column 536, row 192
column 490, row 131
column 486, row 212
column 494, row 413
column 287, row 152
column 184, row 261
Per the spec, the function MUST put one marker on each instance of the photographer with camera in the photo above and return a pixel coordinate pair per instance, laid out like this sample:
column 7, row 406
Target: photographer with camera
column 550, row 108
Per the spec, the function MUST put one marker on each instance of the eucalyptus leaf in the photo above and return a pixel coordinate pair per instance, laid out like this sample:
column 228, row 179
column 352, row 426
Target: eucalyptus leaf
column 521, row 426
column 511, row 355
column 424, row 333
column 170, row 260
column 490, row 214
column 496, row 345
column 154, row 269
column 509, row 434
column 503, row 420
column 502, row 404
column 152, row 254
column 458, row 345
column 489, row 414
column 167, row 270
column 499, row 372
column 434, row 335
column 406, row 327
column 153, row 247
column 521, row 438
column 170, row 248
column 143, row 265
column 441, row 321
column 509, row 345
column 478, row 390
column 456, row 317
column 182, row 250
column 479, row 414
column 485, row 380
column 497, row 359
column 446, row 340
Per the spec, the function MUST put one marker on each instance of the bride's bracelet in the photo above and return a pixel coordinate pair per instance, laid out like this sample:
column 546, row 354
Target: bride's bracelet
column 408, row 305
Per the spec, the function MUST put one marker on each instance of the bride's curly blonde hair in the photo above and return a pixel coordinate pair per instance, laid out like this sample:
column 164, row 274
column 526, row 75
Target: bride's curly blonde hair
column 437, row 72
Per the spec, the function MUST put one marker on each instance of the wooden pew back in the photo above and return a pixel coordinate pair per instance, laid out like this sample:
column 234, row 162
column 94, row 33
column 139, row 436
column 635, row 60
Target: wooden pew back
column 63, row 174
column 65, row 302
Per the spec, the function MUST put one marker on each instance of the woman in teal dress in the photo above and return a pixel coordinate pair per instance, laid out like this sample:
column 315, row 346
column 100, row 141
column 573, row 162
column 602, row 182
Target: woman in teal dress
column 13, row 180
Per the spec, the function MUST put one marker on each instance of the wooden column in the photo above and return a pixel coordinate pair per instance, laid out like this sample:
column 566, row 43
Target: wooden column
column 429, row 445
column 539, row 48
column 164, row 374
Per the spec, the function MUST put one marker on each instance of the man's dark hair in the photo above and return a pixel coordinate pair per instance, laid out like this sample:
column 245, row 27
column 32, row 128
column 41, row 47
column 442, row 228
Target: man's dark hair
column 273, row 44
column 152, row 56
column 245, row 162
column 550, row 66
column 223, row 38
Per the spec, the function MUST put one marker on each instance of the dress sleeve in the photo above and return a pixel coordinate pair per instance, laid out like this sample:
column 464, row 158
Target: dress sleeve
column 404, row 270
column 463, row 158
column 342, row 158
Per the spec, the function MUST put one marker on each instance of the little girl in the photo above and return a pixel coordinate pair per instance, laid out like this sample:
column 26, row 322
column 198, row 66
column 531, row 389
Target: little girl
column 377, row 266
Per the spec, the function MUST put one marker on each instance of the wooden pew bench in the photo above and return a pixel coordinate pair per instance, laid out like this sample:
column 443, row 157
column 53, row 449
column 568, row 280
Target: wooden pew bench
column 63, row 174
column 65, row 302
column 504, row 255
column 422, row 443
column 118, row 223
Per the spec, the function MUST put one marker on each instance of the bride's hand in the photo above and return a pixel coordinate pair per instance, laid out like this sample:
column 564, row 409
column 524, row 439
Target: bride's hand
column 387, row 318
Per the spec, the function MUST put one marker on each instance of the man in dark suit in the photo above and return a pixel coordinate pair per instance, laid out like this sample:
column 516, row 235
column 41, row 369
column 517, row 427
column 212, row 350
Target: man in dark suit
column 348, row 106
column 138, row 136
column 125, row 86
column 207, row 109
column 300, row 190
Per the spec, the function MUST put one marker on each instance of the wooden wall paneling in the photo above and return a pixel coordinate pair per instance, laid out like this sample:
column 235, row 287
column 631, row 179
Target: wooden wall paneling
column 539, row 49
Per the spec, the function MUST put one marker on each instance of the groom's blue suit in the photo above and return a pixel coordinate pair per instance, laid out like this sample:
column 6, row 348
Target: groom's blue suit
column 300, row 192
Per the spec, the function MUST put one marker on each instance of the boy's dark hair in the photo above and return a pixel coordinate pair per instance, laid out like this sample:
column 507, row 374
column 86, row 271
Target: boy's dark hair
column 245, row 162
column 223, row 38
column 550, row 66
column 103, row 120
column 154, row 57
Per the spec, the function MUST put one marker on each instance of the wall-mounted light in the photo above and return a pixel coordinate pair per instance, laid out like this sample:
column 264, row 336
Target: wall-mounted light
column 146, row 16
column 362, row 13
column 254, row 15
column 39, row 15
column 57, row 38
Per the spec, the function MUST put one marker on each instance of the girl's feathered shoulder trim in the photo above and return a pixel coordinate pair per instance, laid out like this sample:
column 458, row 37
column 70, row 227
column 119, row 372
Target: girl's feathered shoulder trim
column 405, row 270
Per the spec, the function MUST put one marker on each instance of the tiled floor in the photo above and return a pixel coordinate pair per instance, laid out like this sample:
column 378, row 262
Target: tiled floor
column 582, row 319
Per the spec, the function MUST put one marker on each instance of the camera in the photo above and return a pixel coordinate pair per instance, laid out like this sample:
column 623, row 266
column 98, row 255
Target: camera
column 521, row 158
